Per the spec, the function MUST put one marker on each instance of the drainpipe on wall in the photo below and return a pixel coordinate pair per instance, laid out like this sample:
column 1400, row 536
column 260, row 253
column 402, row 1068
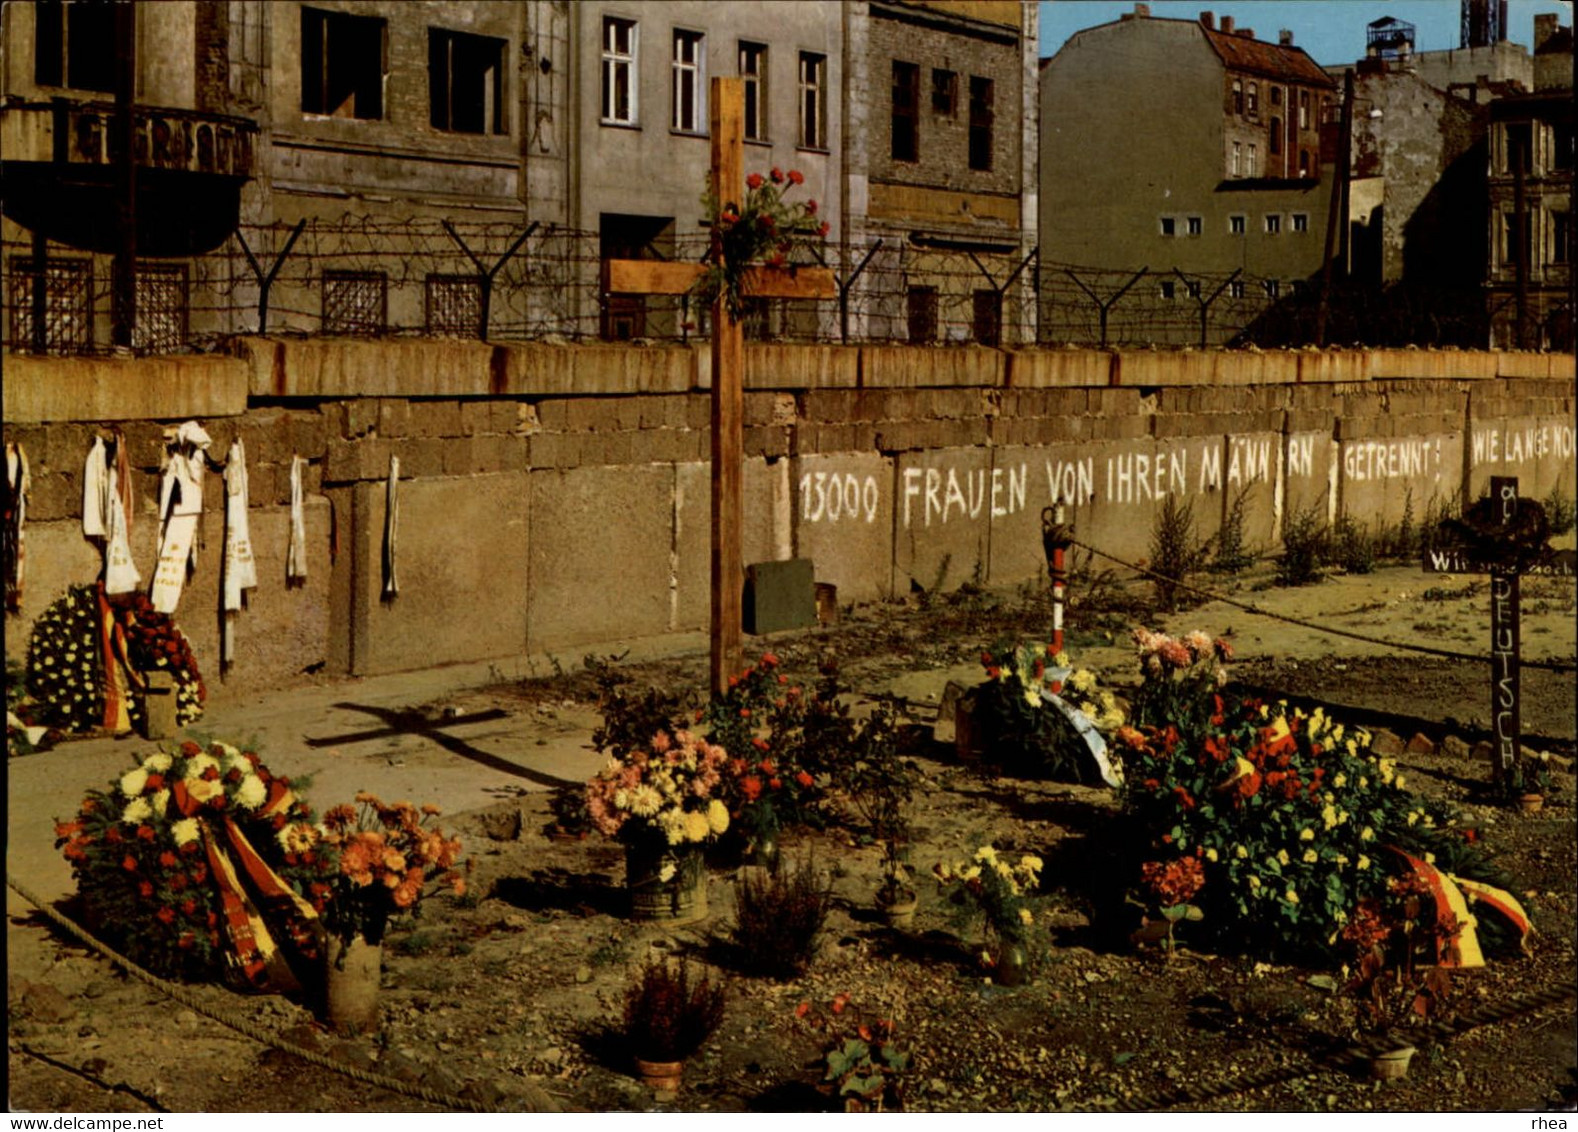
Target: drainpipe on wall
column 124, row 272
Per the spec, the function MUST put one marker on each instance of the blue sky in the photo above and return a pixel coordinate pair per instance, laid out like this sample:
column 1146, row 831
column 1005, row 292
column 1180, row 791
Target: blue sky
column 1332, row 31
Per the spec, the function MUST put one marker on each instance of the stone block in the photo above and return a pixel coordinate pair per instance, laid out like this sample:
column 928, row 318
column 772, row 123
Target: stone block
column 361, row 416
column 103, row 389
column 351, row 460
column 435, row 418
column 309, row 434
column 779, row 596
column 554, row 450
column 765, row 530
column 394, row 418
column 1386, row 744
column 476, row 418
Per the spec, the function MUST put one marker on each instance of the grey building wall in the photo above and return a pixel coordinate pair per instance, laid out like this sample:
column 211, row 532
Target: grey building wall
column 1133, row 134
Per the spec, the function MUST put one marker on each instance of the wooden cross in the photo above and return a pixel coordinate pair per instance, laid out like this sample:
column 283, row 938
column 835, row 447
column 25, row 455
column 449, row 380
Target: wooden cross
column 1505, row 630
column 646, row 277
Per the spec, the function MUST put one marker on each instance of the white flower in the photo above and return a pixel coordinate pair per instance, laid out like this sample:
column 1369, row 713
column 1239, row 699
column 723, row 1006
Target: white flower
column 645, row 801
column 158, row 763
column 717, row 816
column 672, row 822
column 666, row 873
column 159, row 803
column 199, row 764
column 137, row 811
column 133, row 781
column 251, row 793
column 1026, row 916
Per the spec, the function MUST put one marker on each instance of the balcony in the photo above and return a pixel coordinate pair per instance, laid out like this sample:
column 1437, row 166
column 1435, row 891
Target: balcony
column 59, row 170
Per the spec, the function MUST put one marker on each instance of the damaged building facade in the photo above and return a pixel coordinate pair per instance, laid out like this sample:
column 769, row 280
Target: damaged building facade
column 370, row 167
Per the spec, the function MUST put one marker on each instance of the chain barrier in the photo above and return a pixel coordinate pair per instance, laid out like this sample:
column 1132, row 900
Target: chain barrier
column 1210, row 595
column 533, row 1097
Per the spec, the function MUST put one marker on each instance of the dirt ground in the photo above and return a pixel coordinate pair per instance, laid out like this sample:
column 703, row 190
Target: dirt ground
column 520, row 982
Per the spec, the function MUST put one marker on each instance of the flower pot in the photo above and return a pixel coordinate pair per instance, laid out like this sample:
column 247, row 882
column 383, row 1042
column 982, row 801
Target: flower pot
column 1531, row 803
column 1012, row 961
column 682, row 896
column 351, row 985
column 660, row 1076
column 1392, row 1065
column 899, row 914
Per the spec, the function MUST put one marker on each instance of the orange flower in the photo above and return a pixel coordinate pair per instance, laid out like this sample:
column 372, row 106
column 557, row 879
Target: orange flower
column 750, row 786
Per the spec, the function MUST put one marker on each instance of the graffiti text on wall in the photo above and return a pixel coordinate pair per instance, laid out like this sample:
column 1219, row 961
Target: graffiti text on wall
column 1514, row 445
column 940, row 497
column 1390, row 459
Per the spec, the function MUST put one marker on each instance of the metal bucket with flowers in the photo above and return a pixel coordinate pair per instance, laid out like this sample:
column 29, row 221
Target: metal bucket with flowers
column 664, row 803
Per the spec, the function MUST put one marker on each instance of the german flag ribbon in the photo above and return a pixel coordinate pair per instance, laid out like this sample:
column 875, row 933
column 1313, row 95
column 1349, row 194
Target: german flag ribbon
column 286, row 908
column 1461, row 942
column 254, row 951
column 112, row 647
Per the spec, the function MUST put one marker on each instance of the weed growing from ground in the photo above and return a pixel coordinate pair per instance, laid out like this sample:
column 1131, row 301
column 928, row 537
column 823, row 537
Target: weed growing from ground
column 1232, row 551
column 779, row 914
column 1304, row 539
column 1351, row 547
column 1176, row 552
column 1560, row 512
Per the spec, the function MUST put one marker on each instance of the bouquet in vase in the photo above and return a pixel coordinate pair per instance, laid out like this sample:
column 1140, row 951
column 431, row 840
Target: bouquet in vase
column 664, row 800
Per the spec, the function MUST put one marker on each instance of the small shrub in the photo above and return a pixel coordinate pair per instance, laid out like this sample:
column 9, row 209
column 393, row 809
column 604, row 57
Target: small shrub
column 1560, row 512
column 669, row 1013
column 1351, row 547
column 778, row 917
column 1303, row 548
column 1175, row 551
column 1232, row 552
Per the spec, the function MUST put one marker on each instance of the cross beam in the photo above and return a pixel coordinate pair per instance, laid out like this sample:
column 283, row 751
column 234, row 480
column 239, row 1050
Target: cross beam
column 645, row 277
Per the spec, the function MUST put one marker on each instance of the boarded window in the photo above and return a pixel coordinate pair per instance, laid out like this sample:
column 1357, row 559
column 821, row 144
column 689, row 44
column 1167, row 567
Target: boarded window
column 920, row 305
column 454, row 305
column 51, row 310
column 906, row 111
column 981, row 118
column 343, row 64
column 74, row 44
column 986, row 322
column 162, row 308
column 355, row 303
column 944, row 92
column 465, row 82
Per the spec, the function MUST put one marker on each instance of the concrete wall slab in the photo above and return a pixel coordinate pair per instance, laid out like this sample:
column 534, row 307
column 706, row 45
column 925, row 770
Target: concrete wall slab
column 461, row 563
column 765, row 536
column 941, row 504
column 843, row 521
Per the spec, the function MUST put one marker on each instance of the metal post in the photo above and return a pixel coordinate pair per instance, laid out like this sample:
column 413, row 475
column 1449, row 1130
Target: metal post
column 843, row 291
column 1055, row 539
column 123, row 303
column 1520, row 213
column 40, row 292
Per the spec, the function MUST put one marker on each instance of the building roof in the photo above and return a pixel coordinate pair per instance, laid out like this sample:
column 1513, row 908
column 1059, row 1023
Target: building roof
column 1289, row 64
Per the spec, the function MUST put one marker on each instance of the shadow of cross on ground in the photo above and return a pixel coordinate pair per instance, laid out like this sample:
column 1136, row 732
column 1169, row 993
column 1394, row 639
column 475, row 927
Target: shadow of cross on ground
column 405, row 721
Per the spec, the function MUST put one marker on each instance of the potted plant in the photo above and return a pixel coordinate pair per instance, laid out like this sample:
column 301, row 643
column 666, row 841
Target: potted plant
column 864, row 1071
column 880, row 785
column 382, row 860
column 996, row 891
column 1530, row 782
column 669, row 1013
column 662, row 801
column 1394, row 990
column 1172, row 886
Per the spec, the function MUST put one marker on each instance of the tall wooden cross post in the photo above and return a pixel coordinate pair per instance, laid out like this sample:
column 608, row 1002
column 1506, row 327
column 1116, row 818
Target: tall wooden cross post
column 645, row 277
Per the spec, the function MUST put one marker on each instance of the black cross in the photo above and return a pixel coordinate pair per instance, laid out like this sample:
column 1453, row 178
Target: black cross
column 408, row 722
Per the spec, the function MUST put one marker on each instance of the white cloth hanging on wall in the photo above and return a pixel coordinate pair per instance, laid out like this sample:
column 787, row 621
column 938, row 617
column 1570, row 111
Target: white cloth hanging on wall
column 296, row 553
column 391, row 526
column 180, row 506
column 240, row 568
column 106, row 490
column 19, row 481
column 95, row 490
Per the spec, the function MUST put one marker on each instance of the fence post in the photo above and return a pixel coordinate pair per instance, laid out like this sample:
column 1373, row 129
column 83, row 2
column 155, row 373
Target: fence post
column 1103, row 307
column 843, row 292
column 485, row 274
column 265, row 282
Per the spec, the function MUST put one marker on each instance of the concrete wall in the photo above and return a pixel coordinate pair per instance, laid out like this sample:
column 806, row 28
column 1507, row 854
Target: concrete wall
column 556, row 499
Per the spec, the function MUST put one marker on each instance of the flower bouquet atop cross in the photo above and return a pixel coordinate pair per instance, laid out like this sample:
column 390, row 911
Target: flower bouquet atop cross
column 765, row 230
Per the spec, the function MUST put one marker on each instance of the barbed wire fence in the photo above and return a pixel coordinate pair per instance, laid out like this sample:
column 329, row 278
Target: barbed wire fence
column 501, row 280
